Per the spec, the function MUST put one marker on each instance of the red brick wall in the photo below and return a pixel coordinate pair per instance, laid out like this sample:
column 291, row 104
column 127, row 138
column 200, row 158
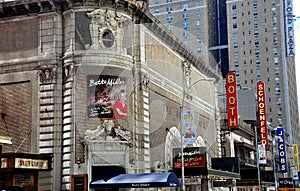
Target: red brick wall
column 15, row 119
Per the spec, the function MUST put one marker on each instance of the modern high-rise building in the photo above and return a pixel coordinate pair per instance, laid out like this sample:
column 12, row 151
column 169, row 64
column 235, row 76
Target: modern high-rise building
column 254, row 38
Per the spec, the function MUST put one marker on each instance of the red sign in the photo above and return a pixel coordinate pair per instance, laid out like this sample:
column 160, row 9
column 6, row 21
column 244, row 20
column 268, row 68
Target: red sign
column 193, row 157
column 232, row 109
column 262, row 117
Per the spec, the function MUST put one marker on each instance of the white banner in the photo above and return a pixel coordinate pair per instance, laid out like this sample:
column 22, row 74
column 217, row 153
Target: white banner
column 262, row 154
column 189, row 129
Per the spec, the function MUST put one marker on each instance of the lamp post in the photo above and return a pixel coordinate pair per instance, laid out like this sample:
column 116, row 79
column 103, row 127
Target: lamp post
column 181, row 125
column 274, row 158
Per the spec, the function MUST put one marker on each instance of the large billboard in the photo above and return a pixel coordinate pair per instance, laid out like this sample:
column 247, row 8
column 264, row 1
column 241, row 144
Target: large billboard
column 106, row 97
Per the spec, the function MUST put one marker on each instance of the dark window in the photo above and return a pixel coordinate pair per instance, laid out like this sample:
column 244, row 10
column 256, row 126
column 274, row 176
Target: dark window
column 108, row 39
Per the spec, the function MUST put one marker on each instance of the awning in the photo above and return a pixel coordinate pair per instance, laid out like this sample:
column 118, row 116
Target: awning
column 146, row 180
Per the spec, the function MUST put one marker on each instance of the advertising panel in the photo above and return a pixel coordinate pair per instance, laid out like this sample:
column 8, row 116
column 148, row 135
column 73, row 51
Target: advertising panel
column 194, row 161
column 285, row 184
column 232, row 109
column 262, row 117
column 26, row 163
column 189, row 128
column 281, row 149
column 262, row 154
column 106, row 97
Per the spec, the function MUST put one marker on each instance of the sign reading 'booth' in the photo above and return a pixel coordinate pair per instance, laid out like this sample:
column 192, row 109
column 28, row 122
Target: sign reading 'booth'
column 232, row 109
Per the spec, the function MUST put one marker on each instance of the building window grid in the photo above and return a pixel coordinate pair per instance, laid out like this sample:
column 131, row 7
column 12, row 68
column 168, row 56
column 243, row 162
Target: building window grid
column 276, row 69
column 198, row 32
column 277, row 80
column 185, row 33
column 275, row 51
column 235, row 45
column 185, row 15
column 169, row 9
column 274, row 20
column 234, row 16
column 236, row 64
column 185, row 25
column 274, row 11
column 185, row 6
column 258, row 73
column 274, row 30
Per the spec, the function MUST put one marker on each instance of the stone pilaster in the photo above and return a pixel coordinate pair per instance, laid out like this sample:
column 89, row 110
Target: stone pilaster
column 141, row 104
column 50, row 124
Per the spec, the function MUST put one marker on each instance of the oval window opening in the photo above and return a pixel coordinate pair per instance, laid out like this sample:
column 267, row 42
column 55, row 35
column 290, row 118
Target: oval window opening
column 108, row 39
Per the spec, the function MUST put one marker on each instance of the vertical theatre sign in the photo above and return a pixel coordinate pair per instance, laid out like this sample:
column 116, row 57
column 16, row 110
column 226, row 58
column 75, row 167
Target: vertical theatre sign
column 290, row 44
column 232, row 109
column 281, row 150
column 296, row 158
column 262, row 118
column 296, row 162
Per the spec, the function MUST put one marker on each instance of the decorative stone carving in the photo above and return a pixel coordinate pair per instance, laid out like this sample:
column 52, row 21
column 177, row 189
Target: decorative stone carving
column 68, row 71
column 145, row 81
column 107, row 18
column 106, row 29
column 47, row 74
column 108, row 131
column 187, row 73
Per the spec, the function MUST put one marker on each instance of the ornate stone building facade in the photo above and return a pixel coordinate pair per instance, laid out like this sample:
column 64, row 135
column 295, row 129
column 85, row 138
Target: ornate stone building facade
column 99, row 87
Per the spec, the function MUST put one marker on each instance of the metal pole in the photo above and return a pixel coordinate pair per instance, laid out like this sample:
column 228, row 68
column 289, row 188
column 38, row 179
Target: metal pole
column 274, row 162
column 181, row 133
column 182, row 149
column 181, row 125
column 257, row 158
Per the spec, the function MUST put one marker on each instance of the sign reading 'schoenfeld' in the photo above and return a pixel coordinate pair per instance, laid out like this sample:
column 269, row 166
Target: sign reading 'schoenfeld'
column 281, row 149
column 232, row 109
column 262, row 117
column 106, row 97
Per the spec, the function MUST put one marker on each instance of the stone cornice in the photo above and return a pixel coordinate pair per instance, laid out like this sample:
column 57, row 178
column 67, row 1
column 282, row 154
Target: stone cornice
column 138, row 14
column 26, row 7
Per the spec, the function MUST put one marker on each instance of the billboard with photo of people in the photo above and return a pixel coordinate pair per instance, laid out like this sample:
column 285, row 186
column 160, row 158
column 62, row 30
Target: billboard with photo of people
column 106, row 97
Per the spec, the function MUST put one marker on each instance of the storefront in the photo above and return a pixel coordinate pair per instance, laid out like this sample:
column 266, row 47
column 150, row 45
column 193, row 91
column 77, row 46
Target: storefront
column 18, row 169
